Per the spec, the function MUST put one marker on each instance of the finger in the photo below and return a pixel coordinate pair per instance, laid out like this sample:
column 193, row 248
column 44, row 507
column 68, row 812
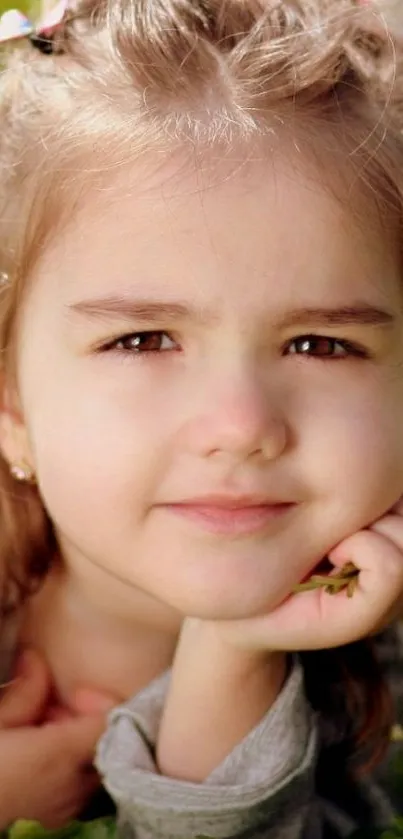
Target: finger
column 391, row 526
column 315, row 619
column 80, row 736
column 91, row 783
column 378, row 557
column 380, row 561
column 81, row 792
column 88, row 701
column 57, row 713
column 24, row 701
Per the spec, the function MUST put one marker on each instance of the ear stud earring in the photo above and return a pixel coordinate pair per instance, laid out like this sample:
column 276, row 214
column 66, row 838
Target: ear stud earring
column 22, row 473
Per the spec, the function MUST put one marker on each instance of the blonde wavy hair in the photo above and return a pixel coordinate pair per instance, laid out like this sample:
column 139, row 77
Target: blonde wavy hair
column 127, row 76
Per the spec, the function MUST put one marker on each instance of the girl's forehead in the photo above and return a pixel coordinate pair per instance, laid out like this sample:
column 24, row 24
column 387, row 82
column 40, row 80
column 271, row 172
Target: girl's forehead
column 207, row 227
column 270, row 181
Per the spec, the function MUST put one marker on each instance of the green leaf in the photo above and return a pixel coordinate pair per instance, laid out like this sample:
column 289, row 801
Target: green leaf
column 98, row 829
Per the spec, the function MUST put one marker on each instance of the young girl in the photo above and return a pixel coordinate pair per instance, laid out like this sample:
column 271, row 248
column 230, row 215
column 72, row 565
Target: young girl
column 202, row 398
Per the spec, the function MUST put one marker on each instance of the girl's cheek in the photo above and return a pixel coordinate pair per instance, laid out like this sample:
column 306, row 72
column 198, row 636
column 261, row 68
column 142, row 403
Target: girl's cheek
column 374, row 470
column 351, row 452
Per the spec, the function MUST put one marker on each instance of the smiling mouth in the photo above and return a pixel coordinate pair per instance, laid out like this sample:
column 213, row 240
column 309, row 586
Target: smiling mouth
column 230, row 518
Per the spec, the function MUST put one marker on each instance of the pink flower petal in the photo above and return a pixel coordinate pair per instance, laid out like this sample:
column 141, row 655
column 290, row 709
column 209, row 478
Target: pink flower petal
column 54, row 18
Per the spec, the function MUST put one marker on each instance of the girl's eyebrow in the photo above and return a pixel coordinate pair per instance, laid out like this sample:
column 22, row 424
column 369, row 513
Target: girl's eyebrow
column 150, row 311
column 147, row 311
column 362, row 314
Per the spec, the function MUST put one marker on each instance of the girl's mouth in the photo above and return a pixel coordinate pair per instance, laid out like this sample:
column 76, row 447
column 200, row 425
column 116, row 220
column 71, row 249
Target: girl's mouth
column 229, row 518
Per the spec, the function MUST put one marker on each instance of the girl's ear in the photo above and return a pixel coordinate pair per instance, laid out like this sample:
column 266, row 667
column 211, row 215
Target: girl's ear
column 14, row 443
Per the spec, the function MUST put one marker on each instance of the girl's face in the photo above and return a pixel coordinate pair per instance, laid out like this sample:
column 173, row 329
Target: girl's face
column 198, row 348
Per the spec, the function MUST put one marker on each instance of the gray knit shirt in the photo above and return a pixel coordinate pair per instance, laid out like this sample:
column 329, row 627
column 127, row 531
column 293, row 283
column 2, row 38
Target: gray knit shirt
column 265, row 788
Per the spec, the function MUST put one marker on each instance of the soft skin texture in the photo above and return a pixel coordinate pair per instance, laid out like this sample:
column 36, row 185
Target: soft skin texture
column 226, row 406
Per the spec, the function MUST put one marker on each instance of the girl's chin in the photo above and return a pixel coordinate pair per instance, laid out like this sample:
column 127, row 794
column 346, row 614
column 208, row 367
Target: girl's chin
column 228, row 605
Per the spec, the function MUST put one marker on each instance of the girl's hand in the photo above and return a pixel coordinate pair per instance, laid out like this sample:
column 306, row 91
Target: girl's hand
column 315, row 619
column 46, row 772
column 216, row 661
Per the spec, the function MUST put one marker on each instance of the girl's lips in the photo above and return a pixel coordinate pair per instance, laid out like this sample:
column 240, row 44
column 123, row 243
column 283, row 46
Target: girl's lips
column 230, row 520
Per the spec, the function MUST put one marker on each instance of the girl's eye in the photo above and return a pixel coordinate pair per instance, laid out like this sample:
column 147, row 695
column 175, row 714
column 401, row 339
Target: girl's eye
column 319, row 346
column 140, row 343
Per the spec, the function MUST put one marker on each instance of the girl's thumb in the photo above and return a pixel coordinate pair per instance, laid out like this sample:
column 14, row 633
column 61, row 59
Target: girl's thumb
column 23, row 700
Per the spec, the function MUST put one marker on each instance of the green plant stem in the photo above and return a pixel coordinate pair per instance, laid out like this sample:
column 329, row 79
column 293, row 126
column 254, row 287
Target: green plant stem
column 344, row 580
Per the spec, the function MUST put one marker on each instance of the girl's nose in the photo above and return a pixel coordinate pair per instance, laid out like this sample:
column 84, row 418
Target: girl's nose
column 241, row 419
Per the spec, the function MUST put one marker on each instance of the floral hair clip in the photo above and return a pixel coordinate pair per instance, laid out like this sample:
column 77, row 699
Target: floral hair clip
column 15, row 26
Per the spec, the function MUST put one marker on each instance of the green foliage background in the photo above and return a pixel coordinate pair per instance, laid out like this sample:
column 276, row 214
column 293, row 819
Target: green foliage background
column 29, row 7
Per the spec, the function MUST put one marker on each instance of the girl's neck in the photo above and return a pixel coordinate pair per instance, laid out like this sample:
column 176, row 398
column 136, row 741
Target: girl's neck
column 103, row 599
column 99, row 633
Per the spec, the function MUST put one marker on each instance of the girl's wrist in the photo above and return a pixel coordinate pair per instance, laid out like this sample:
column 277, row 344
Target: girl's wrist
column 218, row 694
